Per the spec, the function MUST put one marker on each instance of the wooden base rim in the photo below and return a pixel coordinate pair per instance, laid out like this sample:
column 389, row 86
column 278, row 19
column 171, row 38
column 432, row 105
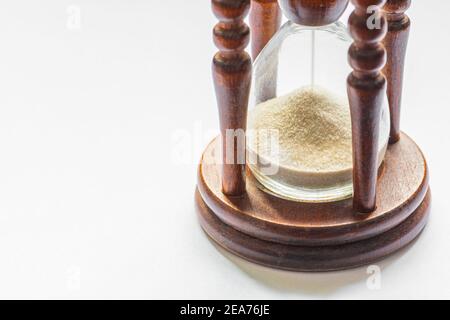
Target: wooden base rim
column 284, row 234
column 307, row 258
column 402, row 187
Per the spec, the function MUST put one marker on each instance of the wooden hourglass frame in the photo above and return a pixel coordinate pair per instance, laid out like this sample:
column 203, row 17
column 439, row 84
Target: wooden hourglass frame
column 389, row 207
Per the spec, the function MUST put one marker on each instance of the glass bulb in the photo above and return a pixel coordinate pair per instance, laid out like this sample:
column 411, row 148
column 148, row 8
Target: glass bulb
column 299, row 129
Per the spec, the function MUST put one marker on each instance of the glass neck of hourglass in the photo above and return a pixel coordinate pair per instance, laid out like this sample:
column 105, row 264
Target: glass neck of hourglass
column 337, row 28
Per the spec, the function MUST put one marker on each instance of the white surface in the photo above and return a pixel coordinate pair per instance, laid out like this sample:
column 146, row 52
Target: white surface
column 93, row 205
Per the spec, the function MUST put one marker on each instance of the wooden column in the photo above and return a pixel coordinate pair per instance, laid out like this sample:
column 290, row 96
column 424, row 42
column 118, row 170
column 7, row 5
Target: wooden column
column 265, row 20
column 232, row 77
column 366, row 86
column 396, row 42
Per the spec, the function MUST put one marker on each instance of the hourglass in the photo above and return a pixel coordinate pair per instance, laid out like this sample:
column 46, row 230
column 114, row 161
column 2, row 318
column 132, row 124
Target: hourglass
column 311, row 171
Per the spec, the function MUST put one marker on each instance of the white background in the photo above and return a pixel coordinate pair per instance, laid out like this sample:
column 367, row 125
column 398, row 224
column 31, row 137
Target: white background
column 92, row 203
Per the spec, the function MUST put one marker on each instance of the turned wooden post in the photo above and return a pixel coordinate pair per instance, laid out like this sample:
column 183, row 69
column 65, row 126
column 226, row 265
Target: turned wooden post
column 396, row 42
column 232, row 77
column 265, row 20
column 366, row 87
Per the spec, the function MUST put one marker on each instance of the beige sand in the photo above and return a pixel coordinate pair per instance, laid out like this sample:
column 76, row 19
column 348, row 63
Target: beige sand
column 314, row 137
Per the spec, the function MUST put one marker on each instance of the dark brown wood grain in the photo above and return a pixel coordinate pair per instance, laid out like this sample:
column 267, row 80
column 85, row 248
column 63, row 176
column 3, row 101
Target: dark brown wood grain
column 238, row 214
column 232, row 77
column 317, row 237
column 366, row 88
column 264, row 216
column 265, row 20
column 313, row 12
column 396, row 42
column 313, row 259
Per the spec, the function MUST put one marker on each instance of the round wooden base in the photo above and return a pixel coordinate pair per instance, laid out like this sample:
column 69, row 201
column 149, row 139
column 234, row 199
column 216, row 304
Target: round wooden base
column 299, row 236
